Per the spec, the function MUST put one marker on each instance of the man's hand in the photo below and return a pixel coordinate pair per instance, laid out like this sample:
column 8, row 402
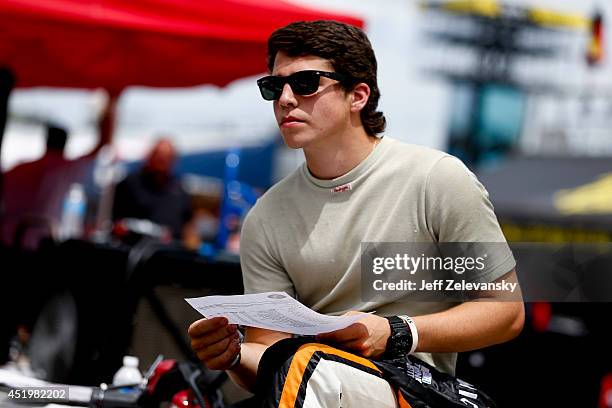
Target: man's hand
column 215, row 342
column 368, row 337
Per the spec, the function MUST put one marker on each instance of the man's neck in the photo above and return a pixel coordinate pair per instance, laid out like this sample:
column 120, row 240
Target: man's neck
column 338, row 154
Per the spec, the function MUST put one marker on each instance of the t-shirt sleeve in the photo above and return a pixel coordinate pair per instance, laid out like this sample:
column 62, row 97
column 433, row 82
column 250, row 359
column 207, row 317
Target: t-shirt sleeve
column 458, row 209
column 261, row 270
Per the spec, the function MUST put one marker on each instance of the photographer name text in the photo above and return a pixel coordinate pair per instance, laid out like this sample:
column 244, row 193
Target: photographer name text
column 444, row 284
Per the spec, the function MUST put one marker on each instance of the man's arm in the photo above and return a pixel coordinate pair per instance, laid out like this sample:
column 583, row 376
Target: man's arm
column 216, row 345
column 488, row 320
column 261, row 272
column 106, row 126
column 255, row 344
column 471, row 325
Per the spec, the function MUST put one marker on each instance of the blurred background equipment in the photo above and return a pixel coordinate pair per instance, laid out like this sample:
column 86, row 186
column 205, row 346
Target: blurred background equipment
column 506, row 44
column 537, row 131
column 595, row 52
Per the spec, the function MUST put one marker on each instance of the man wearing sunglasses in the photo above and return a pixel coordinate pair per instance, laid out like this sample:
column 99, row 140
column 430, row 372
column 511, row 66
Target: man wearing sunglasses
column 303, row 237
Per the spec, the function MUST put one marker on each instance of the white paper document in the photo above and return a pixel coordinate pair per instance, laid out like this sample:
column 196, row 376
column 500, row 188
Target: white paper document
column 271, row 310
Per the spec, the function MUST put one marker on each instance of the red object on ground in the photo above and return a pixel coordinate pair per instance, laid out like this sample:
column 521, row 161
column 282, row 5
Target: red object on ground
column 541, row 315
column 158, row 43
column 162, row 369
column 186, row 399
column 605, row 396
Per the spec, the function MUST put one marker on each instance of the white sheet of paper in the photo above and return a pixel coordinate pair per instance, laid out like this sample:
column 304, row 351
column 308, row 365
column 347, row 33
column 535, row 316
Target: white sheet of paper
column 271, row 310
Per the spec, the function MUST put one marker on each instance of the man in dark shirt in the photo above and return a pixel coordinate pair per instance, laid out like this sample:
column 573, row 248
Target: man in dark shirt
column 154, row 193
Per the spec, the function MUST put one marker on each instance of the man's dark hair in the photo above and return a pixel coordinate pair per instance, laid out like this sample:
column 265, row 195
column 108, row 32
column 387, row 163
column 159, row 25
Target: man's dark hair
column 56, row 138
column 348, row 50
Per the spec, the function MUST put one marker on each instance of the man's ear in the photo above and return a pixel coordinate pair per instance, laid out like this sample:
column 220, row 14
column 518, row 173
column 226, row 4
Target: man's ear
column 359, row 96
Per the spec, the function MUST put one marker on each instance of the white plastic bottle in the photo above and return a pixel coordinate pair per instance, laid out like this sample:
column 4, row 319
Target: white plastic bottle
column 73, row 214
column 129, row 373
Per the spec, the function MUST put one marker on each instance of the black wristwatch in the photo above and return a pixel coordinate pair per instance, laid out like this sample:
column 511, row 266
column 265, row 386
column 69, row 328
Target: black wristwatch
column 400, row 340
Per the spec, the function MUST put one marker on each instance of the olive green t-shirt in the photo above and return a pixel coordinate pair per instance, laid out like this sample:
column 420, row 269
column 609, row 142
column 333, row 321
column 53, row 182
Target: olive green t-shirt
column 304, row 235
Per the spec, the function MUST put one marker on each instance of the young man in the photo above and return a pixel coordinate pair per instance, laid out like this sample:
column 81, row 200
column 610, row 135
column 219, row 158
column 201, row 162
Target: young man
column 303, row 236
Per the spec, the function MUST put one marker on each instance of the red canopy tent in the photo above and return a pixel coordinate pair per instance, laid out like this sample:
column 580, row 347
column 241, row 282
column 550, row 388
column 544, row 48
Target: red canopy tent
column 158, row 43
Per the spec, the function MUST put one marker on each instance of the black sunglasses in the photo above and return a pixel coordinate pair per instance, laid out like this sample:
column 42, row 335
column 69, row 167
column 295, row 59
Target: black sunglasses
column 302, row 83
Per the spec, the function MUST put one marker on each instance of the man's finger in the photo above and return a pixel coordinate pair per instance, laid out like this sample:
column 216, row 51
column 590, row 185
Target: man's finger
column 223, row 361
column 361, row 347
column 203, row 326
column 353, row 332
column 216, row 349
column 212, row 337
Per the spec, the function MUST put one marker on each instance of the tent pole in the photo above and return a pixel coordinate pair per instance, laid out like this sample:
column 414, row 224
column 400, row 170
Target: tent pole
column 7, row 82
column 107, row 127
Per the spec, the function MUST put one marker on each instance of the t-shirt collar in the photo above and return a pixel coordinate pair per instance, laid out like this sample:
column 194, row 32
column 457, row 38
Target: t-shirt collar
column 352, row 175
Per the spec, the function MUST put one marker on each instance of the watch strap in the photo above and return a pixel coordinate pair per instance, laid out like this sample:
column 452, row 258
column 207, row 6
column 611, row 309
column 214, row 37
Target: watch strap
column 413, row 331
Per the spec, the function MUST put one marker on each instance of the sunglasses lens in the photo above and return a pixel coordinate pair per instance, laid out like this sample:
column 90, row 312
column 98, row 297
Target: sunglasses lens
column 269, row 94
column 269, row 88
column 304, row 82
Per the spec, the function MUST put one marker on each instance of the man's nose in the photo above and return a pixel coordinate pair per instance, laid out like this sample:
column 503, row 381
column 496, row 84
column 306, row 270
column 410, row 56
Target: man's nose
column 287, row 96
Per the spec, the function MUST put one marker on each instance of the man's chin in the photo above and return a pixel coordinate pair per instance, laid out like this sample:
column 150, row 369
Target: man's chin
column 294, row 141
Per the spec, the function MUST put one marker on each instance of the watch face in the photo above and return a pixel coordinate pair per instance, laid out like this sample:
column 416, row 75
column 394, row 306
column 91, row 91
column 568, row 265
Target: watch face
column 402, row 341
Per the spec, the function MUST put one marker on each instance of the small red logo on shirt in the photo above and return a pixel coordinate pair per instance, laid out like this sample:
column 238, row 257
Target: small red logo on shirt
column 342, row 188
